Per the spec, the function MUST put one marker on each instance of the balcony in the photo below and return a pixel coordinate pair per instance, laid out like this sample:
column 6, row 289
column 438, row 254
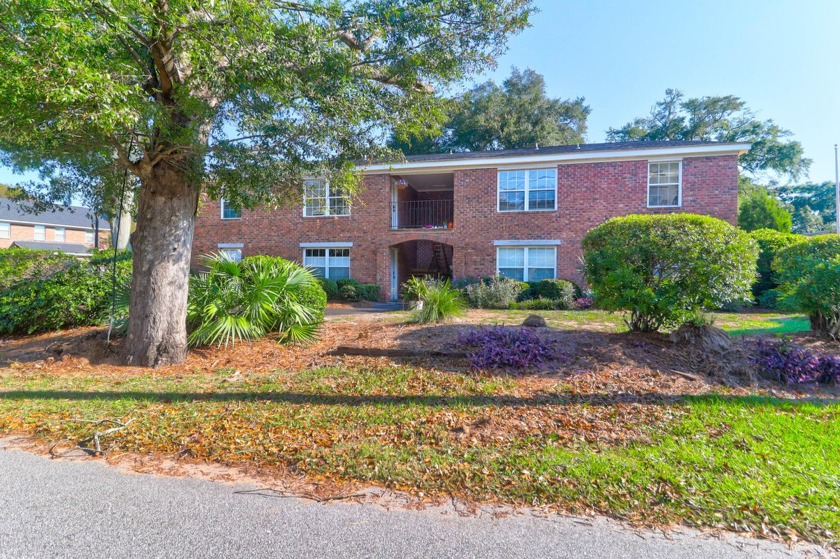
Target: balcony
column 422, row 214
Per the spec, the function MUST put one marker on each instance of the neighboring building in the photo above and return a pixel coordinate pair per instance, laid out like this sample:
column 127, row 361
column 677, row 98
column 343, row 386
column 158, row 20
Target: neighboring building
column 519, row 213
column 69, row 230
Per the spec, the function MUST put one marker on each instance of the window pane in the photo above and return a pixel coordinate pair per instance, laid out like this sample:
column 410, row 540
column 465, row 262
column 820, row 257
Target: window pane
column 5, row 230
column 316, row 206
column 537, row 274
column 89, row 239
column 339, row 205
column 232, row 254
column 511, row 180
column 542, row 179
column 541, row 200
column 513, row 273
column 59, row 234
column 511, row 257
column 40, row 233
column 664, row 195
column 318, row 272
column 541, row 257
column 339, row 272
column 511, row 201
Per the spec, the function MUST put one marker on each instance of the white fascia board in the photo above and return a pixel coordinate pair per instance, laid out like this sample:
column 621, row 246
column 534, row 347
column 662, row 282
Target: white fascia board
column 527, row 243
column 558, row 158
column 338, row 244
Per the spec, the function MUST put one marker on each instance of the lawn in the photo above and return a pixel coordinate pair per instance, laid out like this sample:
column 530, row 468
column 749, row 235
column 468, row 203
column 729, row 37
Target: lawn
column 626, row 440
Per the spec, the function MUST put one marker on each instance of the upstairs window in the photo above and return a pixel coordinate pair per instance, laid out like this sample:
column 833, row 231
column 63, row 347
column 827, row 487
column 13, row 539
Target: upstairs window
column 60, row 235
column 5, row 230
column 229, row 211
column 320, row 199
column 330, row 263
column 40, row 233
column 665, row 184
column 89, row 237
column 527, row 190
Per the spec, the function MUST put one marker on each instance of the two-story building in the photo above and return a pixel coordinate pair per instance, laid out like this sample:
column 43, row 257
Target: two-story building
column 518, row 213
column 71, row 229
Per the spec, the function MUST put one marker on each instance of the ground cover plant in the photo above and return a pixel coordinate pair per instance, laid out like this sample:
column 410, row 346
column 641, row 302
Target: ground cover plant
column 665, row 269
column 496, row 347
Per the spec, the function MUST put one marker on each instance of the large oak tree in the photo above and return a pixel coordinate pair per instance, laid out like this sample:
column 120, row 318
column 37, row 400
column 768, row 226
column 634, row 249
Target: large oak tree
column 235, row 98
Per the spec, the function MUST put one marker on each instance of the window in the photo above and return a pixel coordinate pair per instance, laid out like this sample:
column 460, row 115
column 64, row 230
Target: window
column 232, row 254
column 40, row 233
column 527, row 263
column 665, row 184
column 331, row 263
column 60, row 235
column 89, row 237
column 5, row 230
column 230, row 212
column 527, row 190
column 319, row 199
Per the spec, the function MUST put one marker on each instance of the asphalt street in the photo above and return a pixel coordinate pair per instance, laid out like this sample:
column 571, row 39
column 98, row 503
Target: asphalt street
column 85, row 508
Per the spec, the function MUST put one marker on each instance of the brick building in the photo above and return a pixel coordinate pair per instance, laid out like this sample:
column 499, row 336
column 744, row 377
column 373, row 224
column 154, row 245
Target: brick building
column 71, row 229
column 520, row 213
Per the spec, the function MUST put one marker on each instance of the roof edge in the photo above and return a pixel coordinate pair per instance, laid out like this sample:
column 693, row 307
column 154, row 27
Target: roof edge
column 619, row 154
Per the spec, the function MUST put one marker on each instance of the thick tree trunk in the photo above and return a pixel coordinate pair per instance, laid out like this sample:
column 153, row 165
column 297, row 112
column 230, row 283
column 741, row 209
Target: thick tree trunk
column 162, row 244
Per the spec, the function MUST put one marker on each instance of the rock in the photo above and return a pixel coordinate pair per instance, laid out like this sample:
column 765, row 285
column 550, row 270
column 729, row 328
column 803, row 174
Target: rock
column 534, row 321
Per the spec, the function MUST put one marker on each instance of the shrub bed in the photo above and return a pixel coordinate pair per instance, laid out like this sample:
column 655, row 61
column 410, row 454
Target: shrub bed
column 793, row 364
column 498, row 347
column 665, row 269
column 494, row 293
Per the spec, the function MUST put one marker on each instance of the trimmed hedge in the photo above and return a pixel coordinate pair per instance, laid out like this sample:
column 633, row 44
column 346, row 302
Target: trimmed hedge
column 61, row 295
column 665, row 269
column 368, row 291
column 330, row 287
column 17, row 264
column 563, row 292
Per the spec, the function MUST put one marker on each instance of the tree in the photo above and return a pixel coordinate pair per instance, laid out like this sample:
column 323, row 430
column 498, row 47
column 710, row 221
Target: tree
column 517, row 114
column 725, row 119
column 759, row 209
column 813, row 204
column 237, row 99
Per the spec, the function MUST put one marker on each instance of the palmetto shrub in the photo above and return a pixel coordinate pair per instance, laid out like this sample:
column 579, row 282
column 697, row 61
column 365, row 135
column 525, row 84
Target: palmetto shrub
column 237, row 301
column 440, row 301
column 664, row 269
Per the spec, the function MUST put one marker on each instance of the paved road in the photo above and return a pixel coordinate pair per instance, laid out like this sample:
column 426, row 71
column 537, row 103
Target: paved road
column 85, row 508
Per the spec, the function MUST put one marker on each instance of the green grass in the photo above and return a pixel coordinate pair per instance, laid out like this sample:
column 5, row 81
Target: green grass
column 766, row 465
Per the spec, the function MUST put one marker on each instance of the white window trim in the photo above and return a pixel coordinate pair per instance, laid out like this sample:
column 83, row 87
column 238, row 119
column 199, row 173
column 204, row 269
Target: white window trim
column 328, row 207
column 527, row 190
column 326, row 247
column 63, row 234
column 679, row 184
column 8, row 227
column 231, row 245
column 222, row 204
column 528, row 243
column 35, row 234
column 525, row 259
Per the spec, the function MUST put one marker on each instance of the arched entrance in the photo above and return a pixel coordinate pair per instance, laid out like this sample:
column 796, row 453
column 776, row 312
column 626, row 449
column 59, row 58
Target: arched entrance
column 418, row 258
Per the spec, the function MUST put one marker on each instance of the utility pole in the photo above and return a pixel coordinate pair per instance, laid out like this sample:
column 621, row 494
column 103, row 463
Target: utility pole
column 836, row 190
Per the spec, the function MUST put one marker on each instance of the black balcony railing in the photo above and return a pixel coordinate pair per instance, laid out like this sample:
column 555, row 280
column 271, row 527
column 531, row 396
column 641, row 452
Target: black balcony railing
column 422, row 214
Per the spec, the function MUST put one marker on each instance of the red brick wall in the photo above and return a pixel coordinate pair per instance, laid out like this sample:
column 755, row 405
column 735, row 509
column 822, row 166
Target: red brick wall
column 25, row 232
column 587, row 195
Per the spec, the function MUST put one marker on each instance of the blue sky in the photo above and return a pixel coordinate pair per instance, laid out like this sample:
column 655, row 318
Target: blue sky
column 782, row 57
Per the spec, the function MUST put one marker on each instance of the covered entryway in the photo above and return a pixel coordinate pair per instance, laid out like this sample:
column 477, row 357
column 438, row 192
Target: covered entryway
column 418, row 258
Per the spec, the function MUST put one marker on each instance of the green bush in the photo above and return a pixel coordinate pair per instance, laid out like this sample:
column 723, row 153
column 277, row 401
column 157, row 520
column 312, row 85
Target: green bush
column 236, row 301
column 818, row 294
column 368, row 292
column 664, row 269
column 563, row 291
column 809, row 274
column 17, row 264
column 495, row 293
column 440, row 301
column 60, row 294
column 349, row 293
column 770, row 242
column 347, row 281
column 330, row 287
column 543, row 304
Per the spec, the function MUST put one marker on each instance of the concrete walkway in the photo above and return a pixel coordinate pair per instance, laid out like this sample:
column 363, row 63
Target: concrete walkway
column 85, row 508
column 375, row 308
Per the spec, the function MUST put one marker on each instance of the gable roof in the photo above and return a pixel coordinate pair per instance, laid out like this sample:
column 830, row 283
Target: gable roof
column 70, row 216
column 69, row 248
column 566, row 153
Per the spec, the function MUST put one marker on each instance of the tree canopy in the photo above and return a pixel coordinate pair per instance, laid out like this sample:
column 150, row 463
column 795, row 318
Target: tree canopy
column 813, row 206
column 759, row 209
column 240, row 99
column 516, row 114
column 719, row 118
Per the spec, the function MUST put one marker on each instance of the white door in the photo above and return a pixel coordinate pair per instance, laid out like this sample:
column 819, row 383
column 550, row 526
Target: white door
column 395, row 214
column 395, row 274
